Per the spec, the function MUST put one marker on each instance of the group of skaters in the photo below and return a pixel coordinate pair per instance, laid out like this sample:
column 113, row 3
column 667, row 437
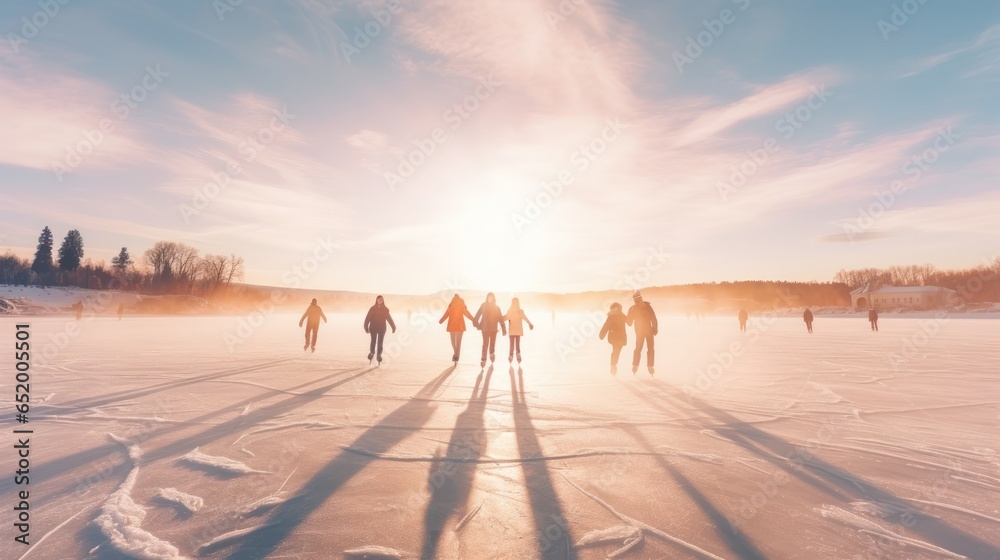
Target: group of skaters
column 491, row 320
column 808, row 318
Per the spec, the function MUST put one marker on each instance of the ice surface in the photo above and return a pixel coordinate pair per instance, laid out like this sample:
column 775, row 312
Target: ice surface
column 839, row 444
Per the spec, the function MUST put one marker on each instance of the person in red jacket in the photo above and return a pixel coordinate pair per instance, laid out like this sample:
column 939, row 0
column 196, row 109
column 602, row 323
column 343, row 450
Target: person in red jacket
column 456, row 314
column 311, row 318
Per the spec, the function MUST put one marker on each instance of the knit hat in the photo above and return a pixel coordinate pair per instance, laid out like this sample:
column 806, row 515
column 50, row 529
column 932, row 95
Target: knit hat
column 637, row 295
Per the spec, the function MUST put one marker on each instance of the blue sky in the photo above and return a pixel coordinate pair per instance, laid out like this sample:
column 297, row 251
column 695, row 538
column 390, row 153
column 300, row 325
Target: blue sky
column 273, row 128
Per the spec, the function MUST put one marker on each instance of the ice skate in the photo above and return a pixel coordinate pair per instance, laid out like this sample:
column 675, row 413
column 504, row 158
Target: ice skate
column 370, row 358
column 306, row 347
column 510, row 359
column 482, row 363
column 651, row 372
column 493, row 358
column 518, row 357
column 614, row 369
column 314, row 349
column 379, row 360
column 635, row 369
column 454, row 358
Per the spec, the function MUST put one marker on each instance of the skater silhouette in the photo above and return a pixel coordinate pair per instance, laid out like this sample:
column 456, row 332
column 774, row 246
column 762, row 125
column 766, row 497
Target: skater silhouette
column 121, row 309
column 78, row 308
column 489, row 318
column 378, row 316
column 808, row 318
column 517, row 319
column 641, row 315
column 311, row 318
column 456, row 314
column 873, row 318
column 614, row 329
column 744, row 317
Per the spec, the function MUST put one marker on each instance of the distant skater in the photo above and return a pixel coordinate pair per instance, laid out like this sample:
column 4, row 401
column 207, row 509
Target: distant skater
column 553, row 317
column 121, row 310
column 456, row 314
column 873, row 318
column 378, row 316
column 311, row 318
column 614, row 328
column 78, row 308
column 643, row 318
column 489, row 318
column 409, row 316
column 517, row 319
column 744, row 317
column 808, row 318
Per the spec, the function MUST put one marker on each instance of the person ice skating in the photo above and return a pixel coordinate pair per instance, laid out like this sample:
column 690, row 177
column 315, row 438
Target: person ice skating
column 808, row 318
column 311, row 318
column 643, row 318
column 378, row 316
column 614, row 329
column 517, row 319
column 489, row 319
column 873, row 318
column 121, row 310
column 744, row 317
column 78, row 308
column 456, row 314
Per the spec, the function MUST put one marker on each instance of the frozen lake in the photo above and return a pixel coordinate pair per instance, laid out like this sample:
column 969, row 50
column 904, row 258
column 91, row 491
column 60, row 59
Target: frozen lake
column 199, row 437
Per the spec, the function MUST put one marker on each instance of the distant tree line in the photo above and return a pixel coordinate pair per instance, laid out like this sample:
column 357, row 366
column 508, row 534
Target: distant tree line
column 165, row 268
column 976, row 285
column 758, row 294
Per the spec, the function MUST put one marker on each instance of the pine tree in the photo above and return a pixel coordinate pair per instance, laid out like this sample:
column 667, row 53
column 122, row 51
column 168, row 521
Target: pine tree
column 122, row 261
column 71, row 251
column 43, row 255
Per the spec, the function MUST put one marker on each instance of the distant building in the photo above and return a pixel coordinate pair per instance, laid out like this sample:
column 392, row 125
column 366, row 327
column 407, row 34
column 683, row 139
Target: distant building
column 914, row 297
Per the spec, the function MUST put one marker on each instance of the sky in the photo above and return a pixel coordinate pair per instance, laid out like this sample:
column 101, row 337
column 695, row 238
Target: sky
column 512, row 145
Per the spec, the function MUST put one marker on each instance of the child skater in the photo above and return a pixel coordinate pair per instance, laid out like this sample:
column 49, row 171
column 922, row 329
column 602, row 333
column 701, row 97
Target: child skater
column 516, row 315
column 614, row 329
column 375, row 322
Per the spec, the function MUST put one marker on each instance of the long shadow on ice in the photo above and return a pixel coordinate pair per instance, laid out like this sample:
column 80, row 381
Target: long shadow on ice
column 737, row 540
column 838, row 483
column 90, row 456
column 450, row 480
column 137, row 392
column 555, row 541
column 261, row 542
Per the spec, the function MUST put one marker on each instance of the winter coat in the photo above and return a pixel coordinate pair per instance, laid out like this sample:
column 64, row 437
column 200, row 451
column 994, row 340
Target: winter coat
column 455, row 314
column 376, row 319
column 744, row 316
column 644, row 319
column 873, row 315
column 614, row 329
column 807, row 316
column 490, row 318
column 312, row 316
column 517, row 319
